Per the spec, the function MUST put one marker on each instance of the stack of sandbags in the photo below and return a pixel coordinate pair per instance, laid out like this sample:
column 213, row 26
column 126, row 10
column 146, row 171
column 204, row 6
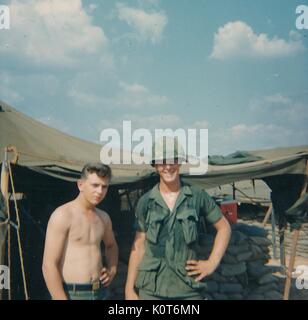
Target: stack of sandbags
column 263, row 285
column 302, row 244
column 242, row 273
column 230, row 279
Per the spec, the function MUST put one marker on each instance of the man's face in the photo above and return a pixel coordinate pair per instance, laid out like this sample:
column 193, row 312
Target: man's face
column 93, row 188
column 169, row 173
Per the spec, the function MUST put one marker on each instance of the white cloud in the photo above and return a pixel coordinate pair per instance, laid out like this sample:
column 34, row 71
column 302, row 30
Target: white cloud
column 237, row 39
column 119, row 95
column 84, row 99
column 201, row 124
column 274, row 101
column 278, row 99
column 281, row 109
column 279, row 120
column 7, row 94
column 93, row 7
column 152, row 122
column 243, row 130
column 138, row 96
column 147, row 26
column 52, row 32
column 243, row 136
column 148, row 2
column 10, row 96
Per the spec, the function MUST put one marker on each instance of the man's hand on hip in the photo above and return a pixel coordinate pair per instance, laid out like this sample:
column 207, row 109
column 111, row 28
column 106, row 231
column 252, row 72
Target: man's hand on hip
column 106, row 276
column 200, row 268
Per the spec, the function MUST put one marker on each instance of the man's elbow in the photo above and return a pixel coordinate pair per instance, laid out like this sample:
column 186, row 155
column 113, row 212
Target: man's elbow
column 45, row 269
column 227, row 228
column 223, row 225
column 48, row 267
column 112, row 246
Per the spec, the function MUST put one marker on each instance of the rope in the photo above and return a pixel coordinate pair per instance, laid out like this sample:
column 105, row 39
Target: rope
column 9, row 244
column 4, row 222
column 18, row 235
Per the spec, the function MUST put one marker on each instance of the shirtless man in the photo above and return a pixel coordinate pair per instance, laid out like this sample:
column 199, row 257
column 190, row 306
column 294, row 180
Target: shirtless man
column 72, row 263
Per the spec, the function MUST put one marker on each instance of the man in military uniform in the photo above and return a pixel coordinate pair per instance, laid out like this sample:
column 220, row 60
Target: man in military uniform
column 164, row 262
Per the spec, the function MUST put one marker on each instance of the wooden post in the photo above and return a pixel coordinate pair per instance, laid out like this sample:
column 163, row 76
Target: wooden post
column 267, row 215
column 291, row 265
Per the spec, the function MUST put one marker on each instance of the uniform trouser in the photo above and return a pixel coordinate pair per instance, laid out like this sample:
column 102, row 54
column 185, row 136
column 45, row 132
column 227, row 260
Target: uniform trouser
column 100, row 294
column 145, row 295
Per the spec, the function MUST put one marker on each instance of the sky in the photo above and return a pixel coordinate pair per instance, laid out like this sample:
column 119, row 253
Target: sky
column 235, row 67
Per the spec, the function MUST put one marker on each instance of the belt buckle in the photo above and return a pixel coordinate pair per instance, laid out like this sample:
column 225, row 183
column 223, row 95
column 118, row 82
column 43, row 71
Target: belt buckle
column 96, row 285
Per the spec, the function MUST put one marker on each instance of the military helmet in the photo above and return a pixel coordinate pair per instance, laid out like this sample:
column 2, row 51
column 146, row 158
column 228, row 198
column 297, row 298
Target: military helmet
column 166, row 150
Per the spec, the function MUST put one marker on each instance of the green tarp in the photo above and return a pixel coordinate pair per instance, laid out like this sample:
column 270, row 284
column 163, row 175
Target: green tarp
column 233, row 158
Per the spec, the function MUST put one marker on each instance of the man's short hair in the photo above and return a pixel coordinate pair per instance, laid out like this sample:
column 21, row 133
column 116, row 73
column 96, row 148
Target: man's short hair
column 102, row 170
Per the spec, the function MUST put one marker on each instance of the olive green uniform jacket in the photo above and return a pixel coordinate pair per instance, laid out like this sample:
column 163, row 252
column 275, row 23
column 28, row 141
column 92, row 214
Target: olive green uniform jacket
column 171, row 240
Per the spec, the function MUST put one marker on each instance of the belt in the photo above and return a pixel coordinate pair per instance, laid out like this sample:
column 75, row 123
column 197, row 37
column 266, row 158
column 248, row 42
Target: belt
column 83, row 287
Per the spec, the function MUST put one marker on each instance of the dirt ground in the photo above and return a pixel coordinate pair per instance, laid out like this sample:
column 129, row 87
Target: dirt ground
column 295, row 294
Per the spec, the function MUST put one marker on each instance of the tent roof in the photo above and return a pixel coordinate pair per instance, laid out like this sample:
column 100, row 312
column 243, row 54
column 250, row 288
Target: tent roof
column 49, row 151
column 279, row 161
column 52, row 152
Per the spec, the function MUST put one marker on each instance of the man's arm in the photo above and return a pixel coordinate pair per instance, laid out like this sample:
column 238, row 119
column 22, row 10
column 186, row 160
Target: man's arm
column 111, row 253
column 204, row 268
column 135, row 258
column 56, row 236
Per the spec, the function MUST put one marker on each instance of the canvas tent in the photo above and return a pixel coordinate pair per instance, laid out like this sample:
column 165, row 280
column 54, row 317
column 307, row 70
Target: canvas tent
column 51, row 152
column 49, row 162
column 48, row 151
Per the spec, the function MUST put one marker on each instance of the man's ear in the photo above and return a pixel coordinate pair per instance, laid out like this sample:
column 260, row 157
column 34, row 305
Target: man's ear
column 156, row 168
column 79, row 184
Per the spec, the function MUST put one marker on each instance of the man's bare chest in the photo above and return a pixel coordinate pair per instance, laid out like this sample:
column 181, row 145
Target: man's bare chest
column 86, row 231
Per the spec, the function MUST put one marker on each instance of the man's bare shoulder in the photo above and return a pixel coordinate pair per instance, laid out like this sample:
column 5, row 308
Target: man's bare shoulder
column 103, row 215
column 62, row 214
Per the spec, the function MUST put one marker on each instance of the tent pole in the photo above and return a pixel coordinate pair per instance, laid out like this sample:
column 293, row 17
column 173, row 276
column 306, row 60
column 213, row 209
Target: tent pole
column 128, row 200
column 282, row 226
column 233, row 188
column 294, row 245
column 5, row 193
column 274, row 233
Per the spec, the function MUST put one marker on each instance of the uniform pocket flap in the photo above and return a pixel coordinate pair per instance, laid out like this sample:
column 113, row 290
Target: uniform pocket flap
column 149, row 264
column 188, row 214
column 155, row 216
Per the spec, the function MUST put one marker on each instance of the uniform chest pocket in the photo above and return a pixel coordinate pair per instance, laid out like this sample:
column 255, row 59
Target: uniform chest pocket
column 189, row 222
column 154, row 224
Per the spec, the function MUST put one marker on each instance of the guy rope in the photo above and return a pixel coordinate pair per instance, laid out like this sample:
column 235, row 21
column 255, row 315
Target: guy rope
column 8, row 166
